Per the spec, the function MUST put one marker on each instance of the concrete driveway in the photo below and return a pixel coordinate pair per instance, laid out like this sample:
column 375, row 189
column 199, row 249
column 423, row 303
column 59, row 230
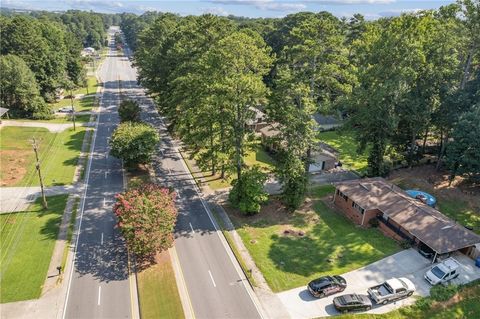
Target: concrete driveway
column 408, row 263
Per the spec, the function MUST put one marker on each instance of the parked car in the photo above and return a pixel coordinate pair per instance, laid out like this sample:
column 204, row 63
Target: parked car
column 65, row 110
column 426, row 251
column 392, row 289
column 327, row 285
column 443, row 272
column 352, row 302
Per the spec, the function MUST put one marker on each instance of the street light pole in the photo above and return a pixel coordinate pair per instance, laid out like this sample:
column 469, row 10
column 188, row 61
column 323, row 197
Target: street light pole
column 73, row 109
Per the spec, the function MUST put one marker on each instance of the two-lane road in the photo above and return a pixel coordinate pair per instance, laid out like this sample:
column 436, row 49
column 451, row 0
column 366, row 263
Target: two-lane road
column 99, row 282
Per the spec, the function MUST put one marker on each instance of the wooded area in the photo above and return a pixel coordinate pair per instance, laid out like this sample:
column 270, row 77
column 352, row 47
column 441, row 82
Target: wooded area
column 398, row 83
column 41, row 55
column 404, row 86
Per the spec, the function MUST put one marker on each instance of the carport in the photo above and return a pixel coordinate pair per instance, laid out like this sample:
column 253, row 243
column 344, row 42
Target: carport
column 428, row 226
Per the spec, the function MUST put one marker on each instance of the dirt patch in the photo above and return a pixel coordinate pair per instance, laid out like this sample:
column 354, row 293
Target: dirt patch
column 427, row 178
column 275, row 213
column 14, row 166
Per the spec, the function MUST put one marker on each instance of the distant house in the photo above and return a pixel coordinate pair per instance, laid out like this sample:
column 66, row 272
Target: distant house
column 269, row 136
column 3, row 111
column 326, row 122
column 259, row 121
column 402, row 217
column 323, row 158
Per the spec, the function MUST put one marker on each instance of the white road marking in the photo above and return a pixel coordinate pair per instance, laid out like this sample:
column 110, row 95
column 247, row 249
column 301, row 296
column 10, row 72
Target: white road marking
column 99, row 294
column 104, row 202
column 101, row 240
column 211, row 277
column 191, row 227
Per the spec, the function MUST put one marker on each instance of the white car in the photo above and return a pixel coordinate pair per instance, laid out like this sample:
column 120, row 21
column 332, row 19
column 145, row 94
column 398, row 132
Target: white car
column 65, row 110
column 443, row 272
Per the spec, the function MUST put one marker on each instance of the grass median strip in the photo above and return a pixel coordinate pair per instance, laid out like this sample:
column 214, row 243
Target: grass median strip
column 27, row 242
column 158, row 292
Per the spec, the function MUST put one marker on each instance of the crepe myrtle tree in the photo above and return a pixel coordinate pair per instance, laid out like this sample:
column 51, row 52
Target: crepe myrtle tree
column 146, row 217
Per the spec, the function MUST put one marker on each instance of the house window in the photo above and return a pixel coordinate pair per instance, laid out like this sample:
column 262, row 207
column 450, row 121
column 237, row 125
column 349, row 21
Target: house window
column 358, row 208
column 345, row 197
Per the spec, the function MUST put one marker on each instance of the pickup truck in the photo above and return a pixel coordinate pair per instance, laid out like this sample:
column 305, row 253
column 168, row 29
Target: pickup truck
column 390, row 290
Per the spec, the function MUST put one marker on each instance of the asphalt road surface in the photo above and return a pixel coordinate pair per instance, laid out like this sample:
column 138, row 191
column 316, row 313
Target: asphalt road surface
column 99, row 286
column 215, row 283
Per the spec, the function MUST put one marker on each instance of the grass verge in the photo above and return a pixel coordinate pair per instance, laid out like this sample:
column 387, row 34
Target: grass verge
column 27, row 242
column 158, row 292
column 58, row 154
column 71, row 226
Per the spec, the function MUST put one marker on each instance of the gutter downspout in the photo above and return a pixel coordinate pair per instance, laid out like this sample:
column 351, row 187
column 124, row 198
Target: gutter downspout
column 434, row 258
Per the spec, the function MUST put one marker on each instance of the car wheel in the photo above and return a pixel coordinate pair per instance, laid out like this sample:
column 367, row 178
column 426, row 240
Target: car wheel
column 409, row 294
column 368, row 308
column 384, row 302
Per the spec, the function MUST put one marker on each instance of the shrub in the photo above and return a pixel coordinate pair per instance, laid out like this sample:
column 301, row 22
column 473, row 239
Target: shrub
column 129, row 111
column 373, row 222
column 406, row 244
column 146, row 218
column 134, row 143
column 443, row 293
column 247, row 193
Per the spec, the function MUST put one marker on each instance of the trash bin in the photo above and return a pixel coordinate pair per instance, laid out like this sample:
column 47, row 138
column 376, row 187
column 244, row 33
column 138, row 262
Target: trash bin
column 477, row 262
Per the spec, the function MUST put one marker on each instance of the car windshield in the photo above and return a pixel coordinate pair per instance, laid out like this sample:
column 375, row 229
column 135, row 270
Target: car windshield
column 438, row 272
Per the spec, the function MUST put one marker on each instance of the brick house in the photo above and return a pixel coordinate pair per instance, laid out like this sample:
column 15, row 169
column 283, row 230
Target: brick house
column 401, row 217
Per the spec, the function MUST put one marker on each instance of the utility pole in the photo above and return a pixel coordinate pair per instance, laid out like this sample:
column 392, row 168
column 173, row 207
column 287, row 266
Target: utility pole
column 73, row 108
column 37, row 166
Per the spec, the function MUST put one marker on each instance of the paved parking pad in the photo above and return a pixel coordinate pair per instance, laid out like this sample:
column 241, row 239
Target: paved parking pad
column 408, row 263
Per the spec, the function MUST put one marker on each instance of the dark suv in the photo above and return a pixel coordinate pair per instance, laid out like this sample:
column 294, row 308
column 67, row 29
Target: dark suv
column 327, row 285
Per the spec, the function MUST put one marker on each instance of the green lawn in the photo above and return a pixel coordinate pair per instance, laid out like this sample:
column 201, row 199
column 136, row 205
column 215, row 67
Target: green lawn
column 460, row 211
column 464, row 305
column 289, row 261
column 27, row 242
column 257, row 156
column 58, row 155
column 157, row 290
column 345, row 143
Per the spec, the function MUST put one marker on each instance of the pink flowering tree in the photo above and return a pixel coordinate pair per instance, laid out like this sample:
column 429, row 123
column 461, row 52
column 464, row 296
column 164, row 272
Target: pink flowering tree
column 146, row 218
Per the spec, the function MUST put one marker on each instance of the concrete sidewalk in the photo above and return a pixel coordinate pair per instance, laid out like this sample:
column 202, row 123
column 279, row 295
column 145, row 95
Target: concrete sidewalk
column 407, row 263
column 17, row 199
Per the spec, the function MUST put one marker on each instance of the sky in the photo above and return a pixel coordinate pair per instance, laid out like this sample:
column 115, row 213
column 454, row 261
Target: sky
column 371, row 9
